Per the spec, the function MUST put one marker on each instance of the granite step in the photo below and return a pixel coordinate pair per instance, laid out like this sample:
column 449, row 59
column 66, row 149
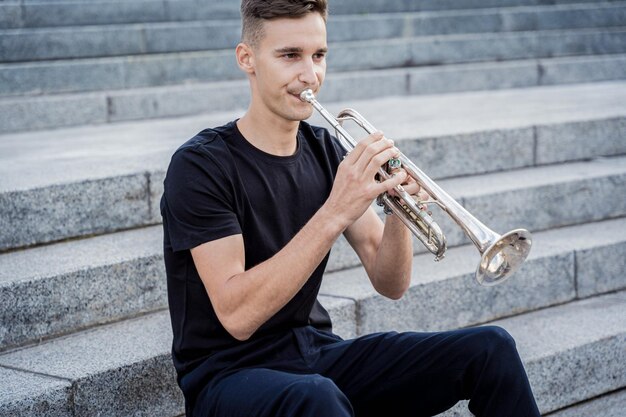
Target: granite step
column 94, row 180
column 96, row 74
column 37, row 13
column 19, row 45
column 576, row 373
column 125, row 368
column 61, row 288
column 610, row 405
column 71, row 109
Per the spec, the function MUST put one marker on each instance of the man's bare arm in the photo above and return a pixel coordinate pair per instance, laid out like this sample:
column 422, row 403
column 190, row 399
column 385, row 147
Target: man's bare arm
column 244, row 300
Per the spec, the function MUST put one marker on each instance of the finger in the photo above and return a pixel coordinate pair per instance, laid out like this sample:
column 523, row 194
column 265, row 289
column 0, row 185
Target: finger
column 389, row 184
column 378, row 160
column 365, row 144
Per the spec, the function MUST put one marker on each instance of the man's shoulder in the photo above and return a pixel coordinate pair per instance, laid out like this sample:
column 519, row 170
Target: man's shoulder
column 209, row 141
column 206, row 152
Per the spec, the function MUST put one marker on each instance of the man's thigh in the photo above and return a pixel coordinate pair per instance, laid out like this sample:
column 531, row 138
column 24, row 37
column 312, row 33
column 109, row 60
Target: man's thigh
column 266, row 392
column 397, row 372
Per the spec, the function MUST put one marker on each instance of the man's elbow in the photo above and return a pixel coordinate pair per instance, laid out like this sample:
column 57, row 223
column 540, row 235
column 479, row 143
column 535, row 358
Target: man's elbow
column 394, row 294
column 236, row 327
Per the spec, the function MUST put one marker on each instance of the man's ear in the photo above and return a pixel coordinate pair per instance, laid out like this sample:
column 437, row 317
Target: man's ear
column 245, row 58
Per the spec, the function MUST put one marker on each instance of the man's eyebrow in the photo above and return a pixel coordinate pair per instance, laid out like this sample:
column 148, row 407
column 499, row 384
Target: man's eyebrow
column 288, row 50
column 295, row 49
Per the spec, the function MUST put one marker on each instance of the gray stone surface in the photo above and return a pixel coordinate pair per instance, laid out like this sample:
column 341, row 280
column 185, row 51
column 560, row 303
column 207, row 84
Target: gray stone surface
column 439, row 50
column 66, row 210
column 46, row 13
column 563, row 369
column 559, row 195
column 70, row 155
column 167, row 102
column 164, row 69
column 115, row 162
column 599, row 253
column 576, row 69
column 610, row 405
column 61, row 77
column 10, row 16
column 343, row 315
column 120, row 369
column 61, row 288
column 445, row 295
column 76, row 42
column 41, row 44
column 25, row 394
column 556, row 334
column 580, row 140
column 46, row 112
column 470, row 77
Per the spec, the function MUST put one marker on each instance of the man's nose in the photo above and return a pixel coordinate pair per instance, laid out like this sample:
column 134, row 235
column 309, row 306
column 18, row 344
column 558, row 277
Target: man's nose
column 308, row 73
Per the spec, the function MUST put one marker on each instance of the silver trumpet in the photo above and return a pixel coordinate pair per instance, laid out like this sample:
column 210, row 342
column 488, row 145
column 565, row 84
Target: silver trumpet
column 501, row 255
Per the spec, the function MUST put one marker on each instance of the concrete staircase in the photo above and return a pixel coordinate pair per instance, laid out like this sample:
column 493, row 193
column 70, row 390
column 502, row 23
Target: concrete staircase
column 517, row 108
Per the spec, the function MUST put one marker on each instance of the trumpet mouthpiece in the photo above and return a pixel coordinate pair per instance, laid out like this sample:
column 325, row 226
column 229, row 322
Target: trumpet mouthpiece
column 307, row 95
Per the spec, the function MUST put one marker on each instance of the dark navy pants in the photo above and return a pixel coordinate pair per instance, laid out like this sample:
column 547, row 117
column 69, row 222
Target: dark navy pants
column 384, row 374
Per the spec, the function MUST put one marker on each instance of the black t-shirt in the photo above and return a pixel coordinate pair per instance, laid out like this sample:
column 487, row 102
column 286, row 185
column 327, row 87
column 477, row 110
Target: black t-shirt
column 217, row 185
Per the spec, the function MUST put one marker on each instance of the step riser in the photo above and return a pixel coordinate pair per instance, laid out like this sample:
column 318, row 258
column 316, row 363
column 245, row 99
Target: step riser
column 564, row 264
column 77, row 300
column 140, row 381
column 610, row 405
column 34, row 45
column 126, row 388
column 63, row 211
column 594, row 374
column 96, row 108
column 111, row 292
column 145, row 386
column 41, row 14
column 92, row 207
column 41, row 396
column 134, row 72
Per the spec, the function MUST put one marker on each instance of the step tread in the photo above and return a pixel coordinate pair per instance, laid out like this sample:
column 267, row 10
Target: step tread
column 505, row 10
column 462, row 261
column 74, row 154
column 107, row 349
column 373, row 43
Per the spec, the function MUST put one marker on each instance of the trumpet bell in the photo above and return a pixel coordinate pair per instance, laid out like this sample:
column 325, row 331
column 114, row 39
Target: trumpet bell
column 503, row 257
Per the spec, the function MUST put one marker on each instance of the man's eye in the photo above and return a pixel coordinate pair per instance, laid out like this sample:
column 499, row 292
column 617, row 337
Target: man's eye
column 290, row 56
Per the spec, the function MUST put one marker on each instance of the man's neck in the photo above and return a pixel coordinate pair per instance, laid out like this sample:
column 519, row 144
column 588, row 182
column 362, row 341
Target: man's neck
column 271, row 135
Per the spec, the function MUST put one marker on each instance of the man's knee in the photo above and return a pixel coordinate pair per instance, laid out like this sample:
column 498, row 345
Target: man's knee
column 497, row 338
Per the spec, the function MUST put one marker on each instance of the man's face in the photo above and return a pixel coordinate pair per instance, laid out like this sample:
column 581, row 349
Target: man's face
column 290, row 57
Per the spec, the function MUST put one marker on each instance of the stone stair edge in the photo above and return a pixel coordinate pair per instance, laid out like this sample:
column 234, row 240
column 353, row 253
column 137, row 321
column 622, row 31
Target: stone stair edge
column 100, row 107
column 604, row 4
column 133, row 200
column 564, row 265
column 52, row 13
column 124, row 255
column 415, row 143
column 377, row 43
column 92, row 370
column 611, row 404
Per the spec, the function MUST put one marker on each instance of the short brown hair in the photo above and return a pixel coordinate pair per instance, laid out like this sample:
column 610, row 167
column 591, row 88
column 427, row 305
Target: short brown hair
column 254, row 12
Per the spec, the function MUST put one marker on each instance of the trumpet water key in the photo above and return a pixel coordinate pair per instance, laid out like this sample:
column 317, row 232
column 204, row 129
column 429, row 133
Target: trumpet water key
column 501, row 255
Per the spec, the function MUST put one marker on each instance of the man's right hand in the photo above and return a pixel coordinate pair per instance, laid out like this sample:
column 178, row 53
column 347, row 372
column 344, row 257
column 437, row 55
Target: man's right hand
column 355, row 186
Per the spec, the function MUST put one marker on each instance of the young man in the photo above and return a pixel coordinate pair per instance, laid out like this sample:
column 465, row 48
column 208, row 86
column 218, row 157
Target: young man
column 250, row 212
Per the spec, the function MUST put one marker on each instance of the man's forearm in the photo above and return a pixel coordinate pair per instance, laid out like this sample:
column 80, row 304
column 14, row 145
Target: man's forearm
column 254, row 296
column 392, row 271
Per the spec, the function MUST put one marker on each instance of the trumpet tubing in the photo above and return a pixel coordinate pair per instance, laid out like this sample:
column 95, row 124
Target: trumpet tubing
column 501, row 255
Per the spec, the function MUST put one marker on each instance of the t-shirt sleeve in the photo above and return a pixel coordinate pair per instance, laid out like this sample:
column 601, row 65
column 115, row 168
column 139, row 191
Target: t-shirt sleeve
column 199, row 203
